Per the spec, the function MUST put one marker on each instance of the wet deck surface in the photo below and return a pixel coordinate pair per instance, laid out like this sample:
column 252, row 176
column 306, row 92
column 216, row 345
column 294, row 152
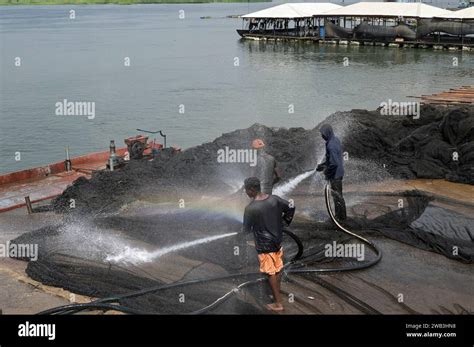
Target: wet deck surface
column 42, row 183
column 13, row 195
column 421, row 278
column 407, row 280
column 18, row 293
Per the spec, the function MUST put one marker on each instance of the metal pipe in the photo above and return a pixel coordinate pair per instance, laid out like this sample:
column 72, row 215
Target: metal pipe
column 112, row 155
column 29, row 207
column 67, row 162
column 112, row 147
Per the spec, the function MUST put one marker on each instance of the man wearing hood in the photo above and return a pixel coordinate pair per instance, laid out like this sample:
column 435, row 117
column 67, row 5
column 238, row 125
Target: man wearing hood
column 333, row 169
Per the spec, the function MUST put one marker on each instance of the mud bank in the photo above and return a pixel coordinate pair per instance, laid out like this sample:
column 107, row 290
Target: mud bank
column 440, row 144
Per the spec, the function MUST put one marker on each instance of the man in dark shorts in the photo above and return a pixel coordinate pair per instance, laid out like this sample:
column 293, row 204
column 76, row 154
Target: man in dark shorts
column 264, row 217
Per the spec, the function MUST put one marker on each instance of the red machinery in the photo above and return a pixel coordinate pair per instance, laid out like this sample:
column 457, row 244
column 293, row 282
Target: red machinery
column 138, row 146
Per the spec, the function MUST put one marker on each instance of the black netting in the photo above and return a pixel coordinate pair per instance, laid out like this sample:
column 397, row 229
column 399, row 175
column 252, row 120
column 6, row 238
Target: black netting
column 77, row 255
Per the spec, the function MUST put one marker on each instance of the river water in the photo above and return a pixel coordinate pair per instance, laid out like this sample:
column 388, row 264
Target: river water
column 191, row 77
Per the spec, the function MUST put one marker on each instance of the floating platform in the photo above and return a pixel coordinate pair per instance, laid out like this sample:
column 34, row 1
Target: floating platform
column 452, row 46
column 407, row 25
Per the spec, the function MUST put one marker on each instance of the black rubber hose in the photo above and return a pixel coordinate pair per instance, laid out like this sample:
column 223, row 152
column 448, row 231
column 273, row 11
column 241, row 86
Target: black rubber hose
column 101, row 306
column 298, row 243
column 343, row 229
column 147, row 291
column 226, row 296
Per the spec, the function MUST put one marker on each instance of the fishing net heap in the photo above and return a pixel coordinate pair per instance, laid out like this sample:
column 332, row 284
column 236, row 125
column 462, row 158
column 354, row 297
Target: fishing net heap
column 440, row 144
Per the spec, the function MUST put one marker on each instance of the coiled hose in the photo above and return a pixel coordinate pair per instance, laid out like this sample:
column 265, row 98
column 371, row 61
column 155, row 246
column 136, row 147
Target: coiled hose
column 106, row 303
column 378, row 253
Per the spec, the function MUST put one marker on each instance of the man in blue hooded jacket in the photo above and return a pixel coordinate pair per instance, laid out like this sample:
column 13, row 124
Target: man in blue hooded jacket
column 333, row 168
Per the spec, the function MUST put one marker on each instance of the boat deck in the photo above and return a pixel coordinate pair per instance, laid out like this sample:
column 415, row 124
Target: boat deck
column 46, row 182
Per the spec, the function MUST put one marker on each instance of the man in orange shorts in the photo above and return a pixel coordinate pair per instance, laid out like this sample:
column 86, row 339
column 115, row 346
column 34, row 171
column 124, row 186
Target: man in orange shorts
column 264, row 217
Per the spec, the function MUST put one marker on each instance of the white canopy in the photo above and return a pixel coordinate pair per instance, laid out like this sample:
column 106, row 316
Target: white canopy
column 293, row 10
column 467, row 13
column 389, row 9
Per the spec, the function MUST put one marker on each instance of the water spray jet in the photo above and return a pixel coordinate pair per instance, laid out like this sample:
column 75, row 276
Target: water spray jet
column 136, row 256
column 285, row 188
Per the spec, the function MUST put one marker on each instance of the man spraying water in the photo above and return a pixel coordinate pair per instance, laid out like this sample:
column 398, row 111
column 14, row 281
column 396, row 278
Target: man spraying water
column 333, row 169
column 264, row 217
column 266, row 168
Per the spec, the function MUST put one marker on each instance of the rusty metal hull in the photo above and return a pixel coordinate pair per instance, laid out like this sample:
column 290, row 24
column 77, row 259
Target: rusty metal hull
column 46, row 182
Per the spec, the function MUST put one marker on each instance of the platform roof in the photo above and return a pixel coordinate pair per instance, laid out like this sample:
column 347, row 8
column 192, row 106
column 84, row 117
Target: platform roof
column 388, row 9
column 293, row 10
column 467, row 13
